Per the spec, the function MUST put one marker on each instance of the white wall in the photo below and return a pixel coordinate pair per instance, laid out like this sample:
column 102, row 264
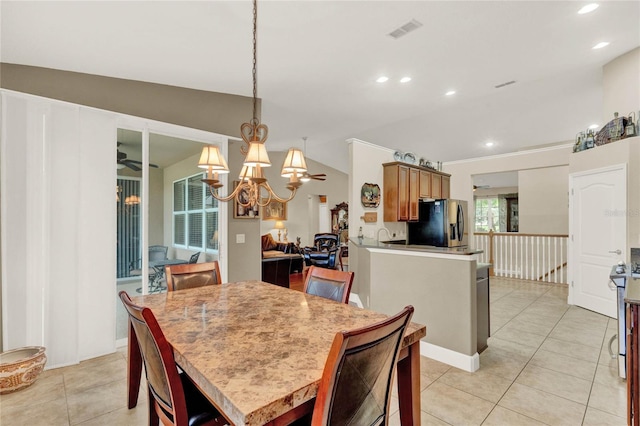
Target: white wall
column 462, row 172
column 366, row 161
column 543, row 200
column 621, row 86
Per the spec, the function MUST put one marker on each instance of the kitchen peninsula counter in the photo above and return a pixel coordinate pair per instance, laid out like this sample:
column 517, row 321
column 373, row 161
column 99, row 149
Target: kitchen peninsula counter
column 370, row 243
column 440, row 283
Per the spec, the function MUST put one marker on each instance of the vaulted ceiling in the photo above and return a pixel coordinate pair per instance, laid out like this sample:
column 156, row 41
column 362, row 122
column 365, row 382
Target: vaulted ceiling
column 318, row 62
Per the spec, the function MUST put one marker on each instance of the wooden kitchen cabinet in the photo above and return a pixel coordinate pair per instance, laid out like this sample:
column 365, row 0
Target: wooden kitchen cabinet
column 425, row 184
column 396, row 193
column 414, row 193
column 404, row 185
column 436, row 186
column 445, row 188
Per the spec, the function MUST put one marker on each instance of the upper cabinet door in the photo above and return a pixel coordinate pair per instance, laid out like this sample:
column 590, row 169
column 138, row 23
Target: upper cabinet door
column 414, row 193
column 446, row 183
column 425, row 184
column 436, row 186
column 403, row 193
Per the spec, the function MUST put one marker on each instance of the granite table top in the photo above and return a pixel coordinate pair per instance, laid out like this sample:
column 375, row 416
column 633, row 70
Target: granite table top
column 256, row 349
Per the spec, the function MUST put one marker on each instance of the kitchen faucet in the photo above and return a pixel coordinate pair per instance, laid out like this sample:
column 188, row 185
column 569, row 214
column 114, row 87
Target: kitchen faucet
column 383, row 229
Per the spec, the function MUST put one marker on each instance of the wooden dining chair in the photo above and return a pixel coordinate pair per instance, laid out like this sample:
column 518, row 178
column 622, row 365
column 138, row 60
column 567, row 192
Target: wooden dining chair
column 329, row 283
column 355, row 388
column 173, row 398
column 190, row 275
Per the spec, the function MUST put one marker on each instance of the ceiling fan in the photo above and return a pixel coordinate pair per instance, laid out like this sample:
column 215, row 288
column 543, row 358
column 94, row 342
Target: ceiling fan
column 320, row 176
column 481, row 187
column 132, row 164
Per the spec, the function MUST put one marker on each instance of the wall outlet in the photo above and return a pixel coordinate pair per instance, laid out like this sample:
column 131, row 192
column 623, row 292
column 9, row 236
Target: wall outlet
column 239, row 238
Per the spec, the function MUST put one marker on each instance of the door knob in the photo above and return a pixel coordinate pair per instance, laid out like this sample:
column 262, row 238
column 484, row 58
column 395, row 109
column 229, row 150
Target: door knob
column 616, row 251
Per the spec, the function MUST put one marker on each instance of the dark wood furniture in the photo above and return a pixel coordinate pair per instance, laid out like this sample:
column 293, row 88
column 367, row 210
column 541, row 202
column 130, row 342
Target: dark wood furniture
column 368, row 352
column 274, row 249
column 632, row 300
column 340, row 221
column 276, row 270
column 173, row 398
column 329, row 283
column 344, row 252
column 180, row 277
column 256, row 333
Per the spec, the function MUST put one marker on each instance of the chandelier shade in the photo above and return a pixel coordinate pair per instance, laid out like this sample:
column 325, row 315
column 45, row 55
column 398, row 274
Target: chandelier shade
column 211, row 158
column 257, row 155
column 294, row 163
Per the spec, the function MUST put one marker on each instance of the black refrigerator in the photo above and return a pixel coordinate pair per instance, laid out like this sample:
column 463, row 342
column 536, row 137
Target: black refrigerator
column 441, row 223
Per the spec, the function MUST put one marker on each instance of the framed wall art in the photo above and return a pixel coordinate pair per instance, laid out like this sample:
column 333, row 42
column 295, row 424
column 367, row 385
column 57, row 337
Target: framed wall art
column 370, row 195
column 275, row 210
column 244, row 212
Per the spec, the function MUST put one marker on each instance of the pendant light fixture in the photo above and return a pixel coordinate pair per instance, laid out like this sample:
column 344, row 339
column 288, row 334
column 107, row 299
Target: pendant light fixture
column 253, row 185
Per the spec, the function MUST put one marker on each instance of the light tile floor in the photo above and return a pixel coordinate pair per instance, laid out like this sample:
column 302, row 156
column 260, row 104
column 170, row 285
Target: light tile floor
column 547, row 363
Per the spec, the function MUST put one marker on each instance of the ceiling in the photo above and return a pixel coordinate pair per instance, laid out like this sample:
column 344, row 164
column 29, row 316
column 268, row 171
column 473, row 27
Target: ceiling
column 318, row 62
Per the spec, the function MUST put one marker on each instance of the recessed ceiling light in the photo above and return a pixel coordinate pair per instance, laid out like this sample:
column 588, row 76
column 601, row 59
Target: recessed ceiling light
column 588, row 8
column 488, row 144
column 601, row 45
column 594, row 126
column 382, row 79
column 405, row 79
column 450, row 92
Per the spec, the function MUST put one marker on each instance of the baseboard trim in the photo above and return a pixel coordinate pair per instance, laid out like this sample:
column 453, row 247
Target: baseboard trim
column 120, row 343
column 468, row 363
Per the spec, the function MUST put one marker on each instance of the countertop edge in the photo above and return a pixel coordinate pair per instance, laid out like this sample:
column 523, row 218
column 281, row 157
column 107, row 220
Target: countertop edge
column 374, row 245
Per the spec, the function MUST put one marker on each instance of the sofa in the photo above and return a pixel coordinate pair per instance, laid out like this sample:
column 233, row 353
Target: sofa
column 279, row 260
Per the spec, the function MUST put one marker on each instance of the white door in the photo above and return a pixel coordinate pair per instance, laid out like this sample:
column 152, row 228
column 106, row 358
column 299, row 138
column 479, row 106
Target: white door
column 598, row 230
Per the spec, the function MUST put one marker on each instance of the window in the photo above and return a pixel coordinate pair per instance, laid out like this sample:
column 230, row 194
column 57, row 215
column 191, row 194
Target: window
column 487, row 214
column 195, row 214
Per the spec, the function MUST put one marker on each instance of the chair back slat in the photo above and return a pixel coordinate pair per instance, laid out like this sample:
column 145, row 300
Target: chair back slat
column 329, row 283
column 159, row 363
column 355, row 388
column 191, row 275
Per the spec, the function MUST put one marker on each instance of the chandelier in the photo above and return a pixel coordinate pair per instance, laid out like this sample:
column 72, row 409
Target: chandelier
column 253, row 187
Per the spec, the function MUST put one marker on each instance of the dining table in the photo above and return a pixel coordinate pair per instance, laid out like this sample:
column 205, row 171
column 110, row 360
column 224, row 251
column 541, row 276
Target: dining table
column 257, row 351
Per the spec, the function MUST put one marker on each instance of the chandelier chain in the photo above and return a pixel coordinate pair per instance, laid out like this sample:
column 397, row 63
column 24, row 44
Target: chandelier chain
column 255, row 61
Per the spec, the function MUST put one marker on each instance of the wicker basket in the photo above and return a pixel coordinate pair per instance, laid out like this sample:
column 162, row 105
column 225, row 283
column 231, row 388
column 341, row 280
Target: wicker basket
column 21, row 367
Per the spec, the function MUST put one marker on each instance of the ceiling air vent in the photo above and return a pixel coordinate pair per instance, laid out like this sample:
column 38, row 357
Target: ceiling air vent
column 505, row 84
column 405, row 29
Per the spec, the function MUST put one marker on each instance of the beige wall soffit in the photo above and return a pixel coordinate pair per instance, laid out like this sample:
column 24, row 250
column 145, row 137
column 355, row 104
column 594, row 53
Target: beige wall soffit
column 220, row 113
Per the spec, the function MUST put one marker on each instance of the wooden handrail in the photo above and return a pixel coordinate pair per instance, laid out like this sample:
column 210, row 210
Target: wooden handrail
column 497, row 242
column 519, row 234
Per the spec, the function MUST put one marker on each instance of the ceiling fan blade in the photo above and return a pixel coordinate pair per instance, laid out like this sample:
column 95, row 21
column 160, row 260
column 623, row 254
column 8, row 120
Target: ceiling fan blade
column 320, row 176
column 140, row 162
column 130, row 164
